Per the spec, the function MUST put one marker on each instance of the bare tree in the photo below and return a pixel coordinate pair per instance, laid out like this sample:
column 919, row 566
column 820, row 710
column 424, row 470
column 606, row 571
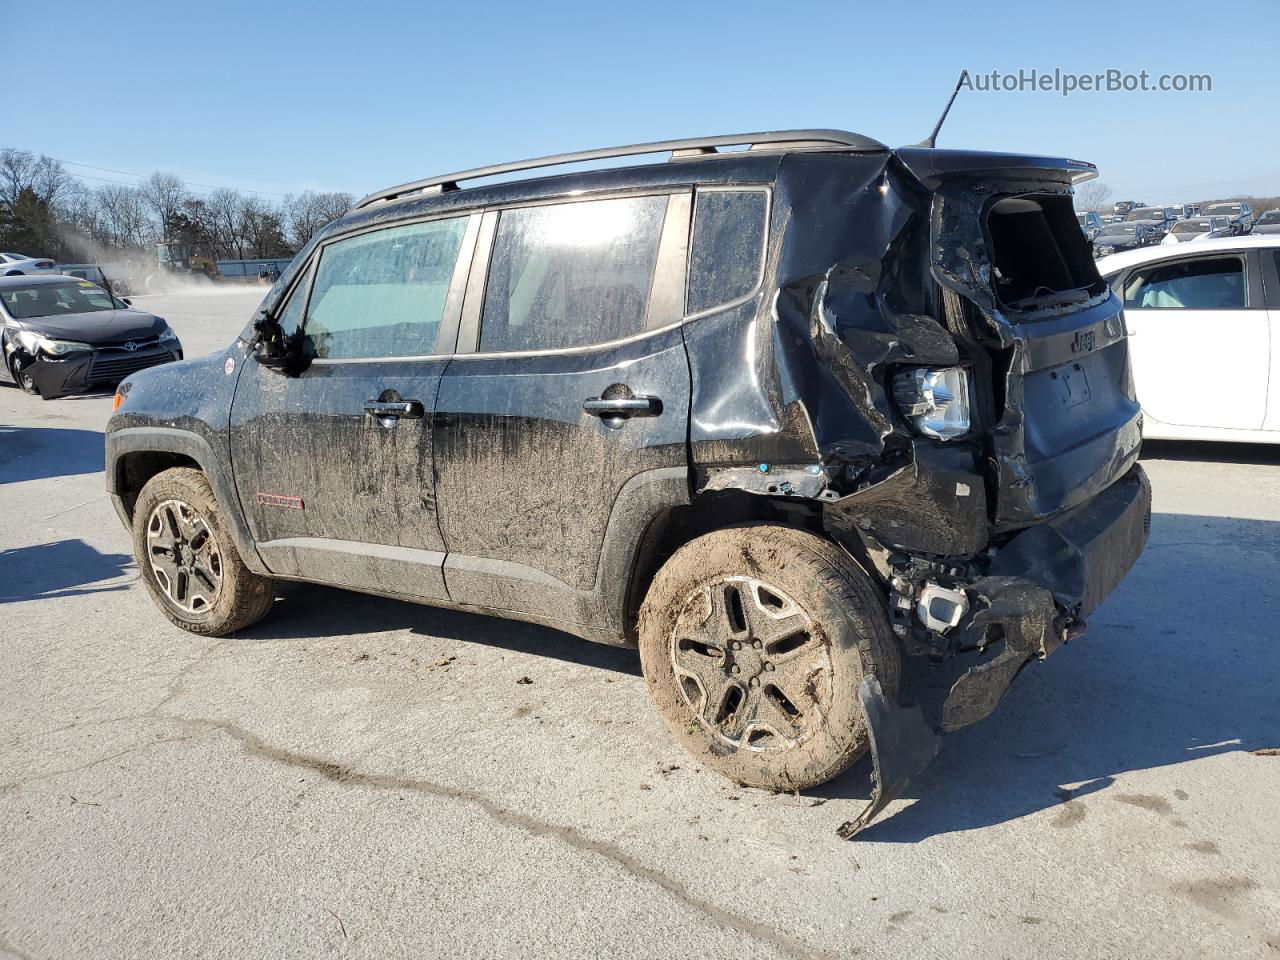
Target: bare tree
column 21, row 170
column 124, row 215
column 1093, row 195
column 306, row 213
column 164, row 194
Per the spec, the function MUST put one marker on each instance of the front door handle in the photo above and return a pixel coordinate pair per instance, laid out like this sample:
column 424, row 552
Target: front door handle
column 410, row 409
column 623, row 407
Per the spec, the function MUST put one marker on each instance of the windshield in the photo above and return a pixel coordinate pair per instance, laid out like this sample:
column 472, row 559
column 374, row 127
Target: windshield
column 1119, row 229
column 1230, row 209
column 16, row 256
column 54, row 300
column 1193, row 226
column 1083, row 218
column 1147, row 213
column 1271, row 216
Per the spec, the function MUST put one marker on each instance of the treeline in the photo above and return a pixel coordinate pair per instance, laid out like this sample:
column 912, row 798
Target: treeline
column 47, row 212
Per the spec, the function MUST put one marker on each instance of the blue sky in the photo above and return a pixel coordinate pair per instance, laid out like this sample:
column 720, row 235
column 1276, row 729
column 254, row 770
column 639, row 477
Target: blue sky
column 280, row 97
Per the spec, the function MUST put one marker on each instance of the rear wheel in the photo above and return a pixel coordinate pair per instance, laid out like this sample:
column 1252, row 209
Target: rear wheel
column 188, row 561
column 753, row 641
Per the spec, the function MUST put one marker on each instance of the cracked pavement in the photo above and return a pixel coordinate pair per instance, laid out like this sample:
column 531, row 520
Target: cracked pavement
column 361, row 777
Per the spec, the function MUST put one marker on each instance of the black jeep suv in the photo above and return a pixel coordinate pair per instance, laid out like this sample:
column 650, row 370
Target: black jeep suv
column 840, row 436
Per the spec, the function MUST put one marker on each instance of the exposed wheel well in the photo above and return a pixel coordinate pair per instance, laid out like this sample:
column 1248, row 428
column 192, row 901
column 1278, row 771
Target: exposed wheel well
column 709, row 511
column 133, row 470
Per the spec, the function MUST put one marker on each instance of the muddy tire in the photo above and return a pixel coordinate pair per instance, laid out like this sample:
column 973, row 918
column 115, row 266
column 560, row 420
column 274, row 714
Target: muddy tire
column 188, row 560
column 753, row 641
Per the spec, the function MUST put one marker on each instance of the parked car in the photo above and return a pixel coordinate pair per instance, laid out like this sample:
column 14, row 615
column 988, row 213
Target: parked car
column 61, row 335
column 1121, row 208
column 1157, row 220
column 743, row 409
column 1198, row 228
column 1204, row 320
column 21, row 265
column 1181, row 211
column 1238, row 213
column 1122, row 236
column 1090, row 224
column 1269, row 222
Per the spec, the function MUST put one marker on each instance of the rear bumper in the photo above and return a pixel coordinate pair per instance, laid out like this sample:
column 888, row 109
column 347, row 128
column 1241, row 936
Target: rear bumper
column 1039, row 589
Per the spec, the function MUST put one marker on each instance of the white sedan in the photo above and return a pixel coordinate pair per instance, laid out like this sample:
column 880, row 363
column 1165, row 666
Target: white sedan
column 19, row 265
column 1204, row 320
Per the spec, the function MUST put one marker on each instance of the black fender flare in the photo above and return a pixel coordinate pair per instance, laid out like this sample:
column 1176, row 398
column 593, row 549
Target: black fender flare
column 155, row 439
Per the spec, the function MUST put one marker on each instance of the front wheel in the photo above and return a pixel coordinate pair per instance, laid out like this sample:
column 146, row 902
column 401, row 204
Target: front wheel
column 753, row 641
column 22, row 377
column 188, row 561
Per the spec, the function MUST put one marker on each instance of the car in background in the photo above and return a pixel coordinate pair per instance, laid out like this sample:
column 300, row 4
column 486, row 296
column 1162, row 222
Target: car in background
column 1269, row 222
column 1116, row 237
column 60, row 335
column 1197, row 228
column 1121, row 208
column 21, row 265
column 1237, row 212
column 1157, row 219
column 1181, row 211
column 1202, row 321
column 1090, row 224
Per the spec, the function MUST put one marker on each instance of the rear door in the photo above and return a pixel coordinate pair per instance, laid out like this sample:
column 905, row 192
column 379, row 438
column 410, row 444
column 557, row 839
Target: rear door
column 571, row 379
column 333, row 467
column 1201, row 341
column 1269, row 262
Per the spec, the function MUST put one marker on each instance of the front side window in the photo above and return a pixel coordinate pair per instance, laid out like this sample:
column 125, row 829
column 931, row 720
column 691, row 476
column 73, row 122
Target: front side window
column 726, row 249
column 572, row 274
column 1208, row 284
column 383, row 294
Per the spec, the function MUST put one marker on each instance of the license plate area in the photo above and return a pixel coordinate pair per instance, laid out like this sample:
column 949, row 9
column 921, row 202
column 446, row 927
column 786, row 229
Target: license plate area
column 1071, row 384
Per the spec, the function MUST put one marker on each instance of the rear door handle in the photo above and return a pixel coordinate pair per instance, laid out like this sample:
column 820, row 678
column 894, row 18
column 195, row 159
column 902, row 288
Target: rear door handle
column 623, row 407
column 411, row 409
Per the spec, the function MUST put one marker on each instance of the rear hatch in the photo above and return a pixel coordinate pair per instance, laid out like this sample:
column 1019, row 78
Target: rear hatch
column 1019, row 288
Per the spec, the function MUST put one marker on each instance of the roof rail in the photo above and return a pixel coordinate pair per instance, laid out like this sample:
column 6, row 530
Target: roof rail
column 679, row 150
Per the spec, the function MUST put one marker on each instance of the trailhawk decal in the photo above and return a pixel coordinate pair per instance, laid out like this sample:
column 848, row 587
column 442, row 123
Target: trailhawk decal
column 280, row 500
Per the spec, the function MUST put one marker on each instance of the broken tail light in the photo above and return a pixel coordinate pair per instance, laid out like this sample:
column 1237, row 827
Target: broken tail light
column 935, row 400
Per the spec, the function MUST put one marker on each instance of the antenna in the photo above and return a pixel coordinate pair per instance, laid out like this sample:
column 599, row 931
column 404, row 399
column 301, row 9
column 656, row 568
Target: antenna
column 932, row 140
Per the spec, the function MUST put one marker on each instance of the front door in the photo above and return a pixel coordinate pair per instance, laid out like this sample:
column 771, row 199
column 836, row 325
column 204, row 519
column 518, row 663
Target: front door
column 1201, row 342
column 571, row 380
column 334, row 466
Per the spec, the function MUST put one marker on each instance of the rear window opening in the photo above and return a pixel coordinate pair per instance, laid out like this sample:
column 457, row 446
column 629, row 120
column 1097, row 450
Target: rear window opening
column 1039, row 255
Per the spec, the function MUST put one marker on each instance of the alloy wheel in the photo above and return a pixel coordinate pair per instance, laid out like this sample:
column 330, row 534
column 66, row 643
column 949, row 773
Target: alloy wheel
column 184, row 557
column 751, row 664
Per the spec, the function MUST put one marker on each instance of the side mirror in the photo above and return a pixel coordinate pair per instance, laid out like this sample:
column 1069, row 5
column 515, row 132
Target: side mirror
column 126, row 301
column 274, row 349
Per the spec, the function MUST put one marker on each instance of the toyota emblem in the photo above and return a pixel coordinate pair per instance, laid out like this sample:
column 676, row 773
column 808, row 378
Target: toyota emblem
column 131, row 346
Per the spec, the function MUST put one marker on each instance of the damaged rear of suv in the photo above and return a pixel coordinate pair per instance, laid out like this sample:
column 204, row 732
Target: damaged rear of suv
column 842, row 437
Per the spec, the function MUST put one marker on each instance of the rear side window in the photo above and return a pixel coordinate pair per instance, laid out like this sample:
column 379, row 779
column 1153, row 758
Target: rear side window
column 382, row 294
column 726, row 250
column 571, row 274
column 1209, row 284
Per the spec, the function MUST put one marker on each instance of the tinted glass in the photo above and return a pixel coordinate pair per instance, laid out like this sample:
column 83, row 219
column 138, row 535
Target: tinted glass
column 382, row 294
column 55, row 299
column 1192, row 285
column 726, row 251
column 571, row 274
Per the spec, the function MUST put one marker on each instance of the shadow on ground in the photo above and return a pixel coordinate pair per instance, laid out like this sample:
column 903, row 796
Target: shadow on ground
column 1180, row 664
column 36, row 453
column 1202, row 452
column 65, row 568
